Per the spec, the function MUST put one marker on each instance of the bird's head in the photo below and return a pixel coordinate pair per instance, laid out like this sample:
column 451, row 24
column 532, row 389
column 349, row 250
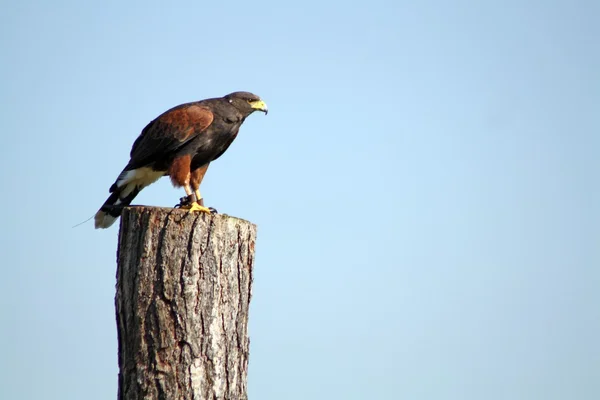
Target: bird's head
column 246, row 102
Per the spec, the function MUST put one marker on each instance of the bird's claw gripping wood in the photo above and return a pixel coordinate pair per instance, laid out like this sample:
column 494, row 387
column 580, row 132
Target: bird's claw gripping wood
column 192, row 204
column 201, row 202
column 195, row 207
column 187, row 201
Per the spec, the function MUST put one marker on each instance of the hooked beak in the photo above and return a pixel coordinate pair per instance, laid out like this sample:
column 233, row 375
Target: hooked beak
column 260, row 106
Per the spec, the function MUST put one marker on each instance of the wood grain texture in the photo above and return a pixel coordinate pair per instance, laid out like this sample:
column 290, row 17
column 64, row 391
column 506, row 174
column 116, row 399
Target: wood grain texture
column 184, row 284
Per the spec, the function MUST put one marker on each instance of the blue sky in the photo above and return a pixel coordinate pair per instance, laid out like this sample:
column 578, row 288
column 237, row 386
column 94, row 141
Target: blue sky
column 425, row 188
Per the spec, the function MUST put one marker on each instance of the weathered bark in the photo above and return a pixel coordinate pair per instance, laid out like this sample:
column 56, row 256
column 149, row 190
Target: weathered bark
column 183, row 292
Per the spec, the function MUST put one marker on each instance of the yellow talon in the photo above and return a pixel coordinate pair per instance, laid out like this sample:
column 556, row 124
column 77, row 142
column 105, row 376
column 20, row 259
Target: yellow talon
column 195, row 207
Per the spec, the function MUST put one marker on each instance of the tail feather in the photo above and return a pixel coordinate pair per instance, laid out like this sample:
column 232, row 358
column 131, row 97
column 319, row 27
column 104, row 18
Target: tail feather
column 129, row 183
column 113, row 206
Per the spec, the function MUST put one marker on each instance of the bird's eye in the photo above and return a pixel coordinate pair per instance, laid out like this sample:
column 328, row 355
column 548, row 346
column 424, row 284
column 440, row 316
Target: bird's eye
column 249, row 100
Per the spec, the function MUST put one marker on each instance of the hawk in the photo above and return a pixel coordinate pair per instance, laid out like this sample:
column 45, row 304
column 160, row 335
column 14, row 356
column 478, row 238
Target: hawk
column 180, row 143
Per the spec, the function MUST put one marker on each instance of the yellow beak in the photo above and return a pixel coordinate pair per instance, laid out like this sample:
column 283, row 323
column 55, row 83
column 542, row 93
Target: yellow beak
column 260, row 106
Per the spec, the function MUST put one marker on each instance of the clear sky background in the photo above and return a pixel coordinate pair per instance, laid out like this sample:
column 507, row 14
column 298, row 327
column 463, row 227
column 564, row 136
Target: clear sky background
column 425, row 187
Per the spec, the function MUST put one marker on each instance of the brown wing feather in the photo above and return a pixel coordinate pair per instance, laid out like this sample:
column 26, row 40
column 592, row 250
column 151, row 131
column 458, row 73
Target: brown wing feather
column 167, row 133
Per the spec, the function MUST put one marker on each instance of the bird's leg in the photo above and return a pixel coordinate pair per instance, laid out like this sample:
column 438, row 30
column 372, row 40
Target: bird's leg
column 192, row 202
column 199, row 198
column 200, row 201
column 186, row 200
column 195, row 180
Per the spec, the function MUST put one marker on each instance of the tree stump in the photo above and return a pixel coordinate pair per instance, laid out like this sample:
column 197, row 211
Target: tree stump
column 184, row 283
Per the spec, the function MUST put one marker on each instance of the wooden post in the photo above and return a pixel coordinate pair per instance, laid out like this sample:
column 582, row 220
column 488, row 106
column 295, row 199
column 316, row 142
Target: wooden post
column 183, row 290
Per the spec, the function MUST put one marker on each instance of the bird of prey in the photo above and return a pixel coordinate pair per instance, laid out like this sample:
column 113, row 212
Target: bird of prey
column 180, row 143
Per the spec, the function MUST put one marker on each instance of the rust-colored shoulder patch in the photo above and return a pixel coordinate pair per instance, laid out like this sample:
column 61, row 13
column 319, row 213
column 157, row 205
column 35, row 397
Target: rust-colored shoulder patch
column 187, row 121
column 201, row 116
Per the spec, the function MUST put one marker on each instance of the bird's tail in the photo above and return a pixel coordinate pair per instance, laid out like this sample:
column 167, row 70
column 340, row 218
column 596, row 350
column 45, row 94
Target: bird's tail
column 128, row 185
column 112, row 208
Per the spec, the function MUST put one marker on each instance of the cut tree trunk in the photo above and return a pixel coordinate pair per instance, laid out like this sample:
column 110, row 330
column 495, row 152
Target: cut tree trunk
column 183, row 290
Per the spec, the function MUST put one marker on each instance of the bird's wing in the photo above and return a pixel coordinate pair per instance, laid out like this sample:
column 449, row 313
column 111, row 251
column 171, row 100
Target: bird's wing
column 167, row 133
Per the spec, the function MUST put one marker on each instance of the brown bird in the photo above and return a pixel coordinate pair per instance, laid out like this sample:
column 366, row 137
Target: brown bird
column 180, row 143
